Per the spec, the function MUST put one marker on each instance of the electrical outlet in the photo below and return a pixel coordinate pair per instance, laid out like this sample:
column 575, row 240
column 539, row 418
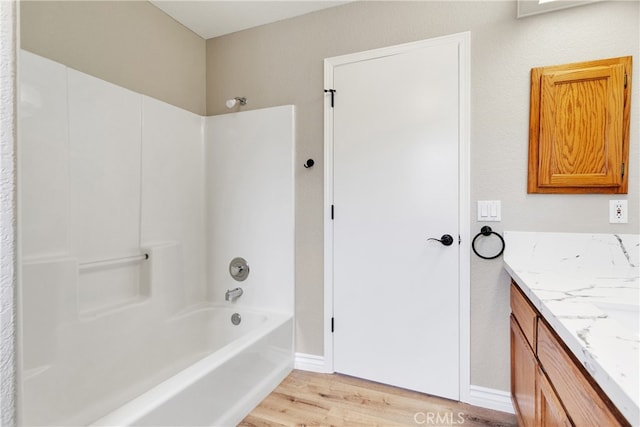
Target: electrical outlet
column 618, row 212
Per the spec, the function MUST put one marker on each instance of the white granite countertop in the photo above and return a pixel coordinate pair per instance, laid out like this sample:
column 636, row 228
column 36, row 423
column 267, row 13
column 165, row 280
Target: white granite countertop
column 587, row 287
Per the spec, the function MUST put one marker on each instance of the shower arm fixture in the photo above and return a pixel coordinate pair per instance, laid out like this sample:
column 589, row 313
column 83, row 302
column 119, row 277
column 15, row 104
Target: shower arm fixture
column 230, row 103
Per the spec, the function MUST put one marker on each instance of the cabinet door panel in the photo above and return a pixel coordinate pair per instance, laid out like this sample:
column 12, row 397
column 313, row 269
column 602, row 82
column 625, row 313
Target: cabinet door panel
column 585, row 404
column 549, row 410
column 581, row 127
column 523, row 377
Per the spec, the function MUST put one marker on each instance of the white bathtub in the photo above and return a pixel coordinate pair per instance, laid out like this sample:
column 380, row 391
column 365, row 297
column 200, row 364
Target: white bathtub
column 141, row 368
column 246, row 362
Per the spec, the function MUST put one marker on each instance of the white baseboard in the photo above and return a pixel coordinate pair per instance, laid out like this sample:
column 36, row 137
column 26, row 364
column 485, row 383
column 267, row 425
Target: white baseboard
column 309, row 362
column 490, row 398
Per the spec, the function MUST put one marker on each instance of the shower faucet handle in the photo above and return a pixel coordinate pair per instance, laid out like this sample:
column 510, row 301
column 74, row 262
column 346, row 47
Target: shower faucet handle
column 239, row 269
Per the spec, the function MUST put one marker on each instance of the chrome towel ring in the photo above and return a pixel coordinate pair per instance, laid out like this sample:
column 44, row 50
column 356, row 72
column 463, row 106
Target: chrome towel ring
column 487, row 231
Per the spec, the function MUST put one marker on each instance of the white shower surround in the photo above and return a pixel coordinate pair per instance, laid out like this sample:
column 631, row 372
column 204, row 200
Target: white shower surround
column 107, row 173
column 250, row 167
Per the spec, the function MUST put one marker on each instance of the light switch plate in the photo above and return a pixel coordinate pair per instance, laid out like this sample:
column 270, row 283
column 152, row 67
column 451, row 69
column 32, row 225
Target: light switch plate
column 489, row 210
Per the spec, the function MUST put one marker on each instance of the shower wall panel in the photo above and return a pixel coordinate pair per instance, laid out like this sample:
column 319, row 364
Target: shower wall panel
column 107, row 173
column 104, row 186
column 104, row 173
column 43, row 149
column 250, row 191
column 173, row 191
column 105, row 150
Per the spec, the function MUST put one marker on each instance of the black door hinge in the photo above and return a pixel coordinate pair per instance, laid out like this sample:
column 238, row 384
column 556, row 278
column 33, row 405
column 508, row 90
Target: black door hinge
column 331, row 211
column 332, row 324
column 333, row 92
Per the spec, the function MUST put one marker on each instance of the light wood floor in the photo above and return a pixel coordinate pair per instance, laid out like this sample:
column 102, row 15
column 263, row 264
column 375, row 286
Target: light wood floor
column 311, row 399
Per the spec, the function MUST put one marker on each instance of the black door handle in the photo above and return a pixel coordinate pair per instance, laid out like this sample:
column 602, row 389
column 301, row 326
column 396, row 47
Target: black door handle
column 446, row 239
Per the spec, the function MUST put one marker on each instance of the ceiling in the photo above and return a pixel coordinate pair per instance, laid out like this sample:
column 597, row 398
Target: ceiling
column 213, row 18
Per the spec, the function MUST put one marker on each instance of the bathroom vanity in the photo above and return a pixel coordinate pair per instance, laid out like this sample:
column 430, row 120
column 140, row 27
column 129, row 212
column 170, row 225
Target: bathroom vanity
column 574, row 328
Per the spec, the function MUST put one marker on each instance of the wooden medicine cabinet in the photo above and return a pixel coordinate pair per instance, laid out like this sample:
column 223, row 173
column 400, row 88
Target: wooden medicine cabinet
column 579, row 127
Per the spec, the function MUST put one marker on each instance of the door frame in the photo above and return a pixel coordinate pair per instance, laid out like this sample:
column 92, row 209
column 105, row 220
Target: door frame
column 464, row 57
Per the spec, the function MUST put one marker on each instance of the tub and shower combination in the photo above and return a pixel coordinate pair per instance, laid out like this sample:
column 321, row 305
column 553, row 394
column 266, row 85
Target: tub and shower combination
column 131, row 212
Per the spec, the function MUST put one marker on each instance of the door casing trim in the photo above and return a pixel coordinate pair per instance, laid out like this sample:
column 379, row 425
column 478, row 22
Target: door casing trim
column 464, row 169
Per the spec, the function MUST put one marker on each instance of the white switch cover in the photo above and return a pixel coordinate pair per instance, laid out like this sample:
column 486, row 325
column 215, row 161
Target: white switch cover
column 489, row 210
column 618, row 212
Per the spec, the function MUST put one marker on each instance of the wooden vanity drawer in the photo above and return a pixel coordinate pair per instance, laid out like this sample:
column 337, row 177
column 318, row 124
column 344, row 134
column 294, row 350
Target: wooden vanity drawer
column 525, row 315
column 584, row 401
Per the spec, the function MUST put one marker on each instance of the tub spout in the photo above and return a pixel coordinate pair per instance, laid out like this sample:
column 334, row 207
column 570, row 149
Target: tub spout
column 233, row 294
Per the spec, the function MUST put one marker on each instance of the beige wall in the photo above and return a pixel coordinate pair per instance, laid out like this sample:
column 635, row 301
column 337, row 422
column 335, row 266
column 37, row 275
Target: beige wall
column 130, row 43
column 281, row 63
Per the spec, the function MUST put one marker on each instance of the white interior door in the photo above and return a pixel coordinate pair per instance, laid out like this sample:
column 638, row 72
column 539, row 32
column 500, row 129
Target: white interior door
column 395, row 185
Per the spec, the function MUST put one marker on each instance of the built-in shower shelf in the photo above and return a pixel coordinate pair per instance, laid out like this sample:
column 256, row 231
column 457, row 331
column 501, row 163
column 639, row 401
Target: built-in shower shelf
column 109, row 286
column 95, row 313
